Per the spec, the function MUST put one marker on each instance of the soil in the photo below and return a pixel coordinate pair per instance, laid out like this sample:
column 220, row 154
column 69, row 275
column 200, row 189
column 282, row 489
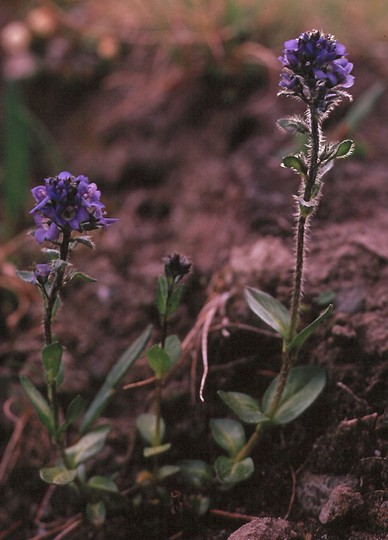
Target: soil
column 196, row 170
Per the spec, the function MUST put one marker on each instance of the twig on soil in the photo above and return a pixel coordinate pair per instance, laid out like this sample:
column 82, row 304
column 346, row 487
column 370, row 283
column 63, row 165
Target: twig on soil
column 7, row 533
column 63, row 529
column 367, row 419
column 232, row 515
column 138, row 384
column 293, row 492
column 351, row 393
column 69, row 528
column 176, row 536
column 12, row 450
column 204, row 341
column 43, row 504
column 226, row 324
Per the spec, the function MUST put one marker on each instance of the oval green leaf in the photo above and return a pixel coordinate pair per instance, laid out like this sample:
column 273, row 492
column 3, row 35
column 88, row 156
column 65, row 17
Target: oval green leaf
column 96, row 513
column 173, row 347
column 59, row 476
column 196, row 472
column 151, row 451
column 75, row 409
column 345, row 149
column 39, row 403
column 161, row 295
column 146, row 424
column 294, row 163
column 159, row 360
column 229, row 472
column 246, row 407
column 103, row 483
column 303, row 386
column 87, row 446
column 270, row 310
column 293, row 124
column 166, row 471
column 228, row 434
column 52, row 359
column 306, row 332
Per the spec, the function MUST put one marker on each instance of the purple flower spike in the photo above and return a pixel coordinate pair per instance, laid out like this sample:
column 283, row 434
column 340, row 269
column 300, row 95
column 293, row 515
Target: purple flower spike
column 315, row 68
column 67, row 203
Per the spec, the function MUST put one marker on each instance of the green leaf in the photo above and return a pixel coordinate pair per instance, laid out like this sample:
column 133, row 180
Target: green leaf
column 173, row 348
column 52, row 254
column 114, row 379
column 345, row 149
column 200, row 504
column 52, row 359
column 87, row 446
column 295, row 163
column 325, row 298
column 39, row 403
column 306, row 332
column 60, row 375
column 306, row 207
column 175, row 299
column 293, row 124
column 159, row 360
column 161, row 295
column 229, row 472
column 29, row 277
column 96, row 513
column 229, row 434
column 102, row 483
column 196, row 472
column 60, row 476
column 146, row 424
column 82, row 277
column 75, row 409
column 84, row 240
column 166, row 471
column 151, row 451
column 303, row 386
column 246, row 407
column 270, row 310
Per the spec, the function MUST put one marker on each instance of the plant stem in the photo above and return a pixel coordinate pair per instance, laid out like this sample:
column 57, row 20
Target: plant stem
column 250, row 444
column 160, row 380
column 50, row 302
column 302, row 226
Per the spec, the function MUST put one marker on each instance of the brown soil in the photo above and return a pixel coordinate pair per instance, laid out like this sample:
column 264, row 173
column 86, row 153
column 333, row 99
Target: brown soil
column 197, row 171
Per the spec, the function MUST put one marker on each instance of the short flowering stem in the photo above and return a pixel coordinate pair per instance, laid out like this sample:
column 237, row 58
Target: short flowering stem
column 160, row 380
column 50, row 301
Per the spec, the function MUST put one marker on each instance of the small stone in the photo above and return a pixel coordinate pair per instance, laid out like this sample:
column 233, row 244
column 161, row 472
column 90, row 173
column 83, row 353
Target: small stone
column 264, row 529
column 314, row 490
column 342, row 500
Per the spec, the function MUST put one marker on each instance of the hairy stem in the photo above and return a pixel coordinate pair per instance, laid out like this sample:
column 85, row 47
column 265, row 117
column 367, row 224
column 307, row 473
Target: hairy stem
column 302, row 225
column 50, row 302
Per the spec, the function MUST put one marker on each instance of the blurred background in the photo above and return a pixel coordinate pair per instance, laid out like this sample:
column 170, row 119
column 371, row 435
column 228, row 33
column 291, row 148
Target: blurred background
column 58, row 55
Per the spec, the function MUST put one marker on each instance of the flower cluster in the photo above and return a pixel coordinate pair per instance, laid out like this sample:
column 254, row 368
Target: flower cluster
column 67, row 203
column 177, row 266
column 315, row 68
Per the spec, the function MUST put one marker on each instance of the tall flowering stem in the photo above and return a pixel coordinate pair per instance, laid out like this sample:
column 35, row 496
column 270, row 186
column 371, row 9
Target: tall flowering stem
column 65, row 207
column 315, row 71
